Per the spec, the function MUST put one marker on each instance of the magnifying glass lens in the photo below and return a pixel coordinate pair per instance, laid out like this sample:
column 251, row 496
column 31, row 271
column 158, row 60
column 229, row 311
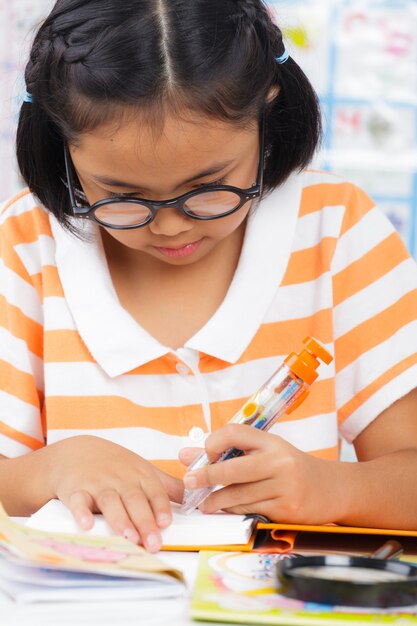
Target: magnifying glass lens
column 348, row 574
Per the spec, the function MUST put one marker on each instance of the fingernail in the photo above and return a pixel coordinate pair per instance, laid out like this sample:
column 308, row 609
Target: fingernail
column 153, row 542
column 131, row 535
column 190, row 481
column 163, row 519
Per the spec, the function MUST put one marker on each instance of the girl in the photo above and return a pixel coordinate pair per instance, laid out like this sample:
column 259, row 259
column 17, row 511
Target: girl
column 171, row 250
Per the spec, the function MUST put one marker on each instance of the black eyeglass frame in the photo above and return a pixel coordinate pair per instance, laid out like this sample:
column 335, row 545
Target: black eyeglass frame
column 245, row 195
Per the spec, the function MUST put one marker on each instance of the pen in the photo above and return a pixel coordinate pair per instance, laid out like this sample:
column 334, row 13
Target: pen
column 282, row 393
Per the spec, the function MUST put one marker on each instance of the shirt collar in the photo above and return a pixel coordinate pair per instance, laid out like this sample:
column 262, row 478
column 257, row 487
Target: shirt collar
column 119, row 344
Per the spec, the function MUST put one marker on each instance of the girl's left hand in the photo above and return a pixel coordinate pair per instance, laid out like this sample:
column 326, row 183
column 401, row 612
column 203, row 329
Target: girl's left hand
column 273, row 478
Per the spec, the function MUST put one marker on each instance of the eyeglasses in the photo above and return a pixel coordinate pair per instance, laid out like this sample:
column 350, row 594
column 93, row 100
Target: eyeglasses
column 208, row 202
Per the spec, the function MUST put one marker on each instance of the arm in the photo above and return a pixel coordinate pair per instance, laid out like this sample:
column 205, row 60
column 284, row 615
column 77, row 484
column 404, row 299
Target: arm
column 287, row 485
column 382, row 487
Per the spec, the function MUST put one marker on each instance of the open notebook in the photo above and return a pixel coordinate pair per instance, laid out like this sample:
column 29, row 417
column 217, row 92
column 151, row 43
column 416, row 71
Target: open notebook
column 191, row 531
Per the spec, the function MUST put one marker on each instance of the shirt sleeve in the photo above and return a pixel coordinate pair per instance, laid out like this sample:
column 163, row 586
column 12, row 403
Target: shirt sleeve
column 21, row 362
column 375, row 316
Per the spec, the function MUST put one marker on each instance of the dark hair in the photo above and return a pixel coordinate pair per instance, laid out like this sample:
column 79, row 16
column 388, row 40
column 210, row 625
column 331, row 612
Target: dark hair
column 93, row 60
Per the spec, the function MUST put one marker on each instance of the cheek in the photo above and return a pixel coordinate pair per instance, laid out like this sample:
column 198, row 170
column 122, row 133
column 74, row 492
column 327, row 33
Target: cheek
column 129, row 238
column 227, row 225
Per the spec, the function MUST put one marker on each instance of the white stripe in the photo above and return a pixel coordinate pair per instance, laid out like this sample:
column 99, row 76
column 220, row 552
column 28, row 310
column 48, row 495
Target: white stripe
column 312, row 433
column 148, row 443
column 37, row 254
column 20, row 294
column 313, row 227
column 57, row 314
column 88, row 379
column 374, row 298
column 369, row 366
column 11, row 448
column 301, row 300
column 166, row 390
column 15, row 352
column 381, row 400
column 20, row 415
column 373, row 228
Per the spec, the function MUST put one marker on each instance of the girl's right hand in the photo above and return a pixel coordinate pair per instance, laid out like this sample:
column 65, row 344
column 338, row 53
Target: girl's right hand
column 93, row 475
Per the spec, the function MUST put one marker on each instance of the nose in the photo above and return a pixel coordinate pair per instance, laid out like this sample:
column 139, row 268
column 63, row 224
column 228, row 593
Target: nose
column 170, row 222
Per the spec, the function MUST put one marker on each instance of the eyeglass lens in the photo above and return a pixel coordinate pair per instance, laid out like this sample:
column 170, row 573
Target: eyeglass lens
column 205, row 204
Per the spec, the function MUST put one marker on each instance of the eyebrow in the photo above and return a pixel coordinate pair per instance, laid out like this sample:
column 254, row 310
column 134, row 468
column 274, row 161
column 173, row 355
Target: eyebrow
column 111, row 182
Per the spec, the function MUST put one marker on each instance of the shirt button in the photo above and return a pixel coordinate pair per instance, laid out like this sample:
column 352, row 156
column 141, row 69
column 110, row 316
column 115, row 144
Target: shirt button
column 182, row 369
column 196, row 434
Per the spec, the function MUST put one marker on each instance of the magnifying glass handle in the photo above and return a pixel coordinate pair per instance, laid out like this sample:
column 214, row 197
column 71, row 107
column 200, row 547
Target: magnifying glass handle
column 389, row 550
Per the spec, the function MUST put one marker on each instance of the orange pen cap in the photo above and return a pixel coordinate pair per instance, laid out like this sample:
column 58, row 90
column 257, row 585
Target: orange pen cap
column 305, row 364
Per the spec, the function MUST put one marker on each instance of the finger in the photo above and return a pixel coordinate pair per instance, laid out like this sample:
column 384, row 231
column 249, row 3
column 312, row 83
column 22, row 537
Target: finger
column 159, row 502
column 81, row 505
column 188, row 455
column 140, row 512
column 240, row 436
column 110, row 504
column 172, row 486
column 257, row 466
column 245, row 494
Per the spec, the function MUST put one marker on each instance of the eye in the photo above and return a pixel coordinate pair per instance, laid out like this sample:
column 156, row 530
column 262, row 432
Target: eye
column 135, row 194
column 113, row 194
column 213, row 183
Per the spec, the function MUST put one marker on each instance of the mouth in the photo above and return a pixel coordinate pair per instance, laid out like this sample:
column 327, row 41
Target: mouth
column 179, row 251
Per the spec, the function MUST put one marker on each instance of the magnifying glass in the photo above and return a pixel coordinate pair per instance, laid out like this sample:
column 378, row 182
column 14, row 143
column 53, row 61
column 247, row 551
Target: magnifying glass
column 341, row 580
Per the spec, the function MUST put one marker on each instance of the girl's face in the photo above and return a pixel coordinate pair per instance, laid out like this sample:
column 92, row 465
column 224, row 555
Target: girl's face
column 136, row 160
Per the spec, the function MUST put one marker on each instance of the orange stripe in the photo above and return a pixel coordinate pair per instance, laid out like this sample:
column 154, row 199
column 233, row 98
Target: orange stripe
column 25, row 440
column 350, row 407
column 375, row 330
column 18, row 384
column 329, row 454
column 285, row 337
column 369, row 268
column 315, row 197
column 91, row 412
column 66, row 346
column 164, row 365
column 21, row 326
column 310, row 263
column 48, row 283
column 12, row 261
column 27, row 227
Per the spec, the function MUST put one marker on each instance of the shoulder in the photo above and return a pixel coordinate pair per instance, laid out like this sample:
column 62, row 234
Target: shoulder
column 323, row 189
column 23, row 219
column 26, row 239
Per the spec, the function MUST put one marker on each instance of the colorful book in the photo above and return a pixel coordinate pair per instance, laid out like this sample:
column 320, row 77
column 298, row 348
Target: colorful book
column 41, row 566
column 237, row 587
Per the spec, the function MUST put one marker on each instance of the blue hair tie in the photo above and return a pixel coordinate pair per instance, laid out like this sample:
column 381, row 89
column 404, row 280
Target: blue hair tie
column 284, row 57
column 27, row 97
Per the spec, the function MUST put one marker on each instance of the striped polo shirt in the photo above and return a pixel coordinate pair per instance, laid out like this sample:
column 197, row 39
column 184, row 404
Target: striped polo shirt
column 318, row 259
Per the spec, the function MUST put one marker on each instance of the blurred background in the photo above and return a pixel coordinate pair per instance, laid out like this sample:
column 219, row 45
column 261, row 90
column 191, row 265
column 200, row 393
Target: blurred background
column 361, row 56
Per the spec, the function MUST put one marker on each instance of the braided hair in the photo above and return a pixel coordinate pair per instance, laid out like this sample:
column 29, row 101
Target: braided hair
column 94, row 61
